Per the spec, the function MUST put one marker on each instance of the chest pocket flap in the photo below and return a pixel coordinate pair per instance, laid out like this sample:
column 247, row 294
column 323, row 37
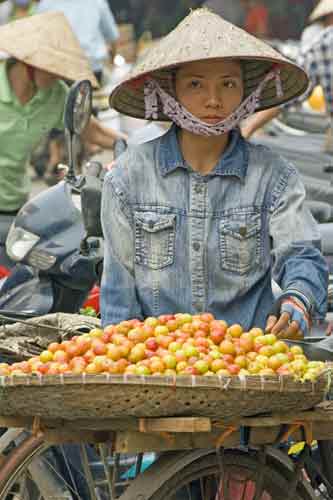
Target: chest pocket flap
column 240, row 241
column 154, row 239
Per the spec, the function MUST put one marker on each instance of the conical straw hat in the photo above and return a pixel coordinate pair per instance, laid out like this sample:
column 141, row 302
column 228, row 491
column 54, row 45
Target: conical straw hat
column 204, row 35
column 324, row 8
column 46, row 41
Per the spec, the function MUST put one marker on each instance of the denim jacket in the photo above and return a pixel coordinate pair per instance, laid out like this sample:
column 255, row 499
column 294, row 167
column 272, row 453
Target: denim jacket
column 178, row 241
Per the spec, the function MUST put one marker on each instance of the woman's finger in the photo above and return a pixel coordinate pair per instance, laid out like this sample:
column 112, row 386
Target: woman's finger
column 282, row 323
column 271, row 321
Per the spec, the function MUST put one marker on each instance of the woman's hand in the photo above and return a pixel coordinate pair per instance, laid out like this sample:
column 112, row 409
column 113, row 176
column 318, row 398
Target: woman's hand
column 292, row 323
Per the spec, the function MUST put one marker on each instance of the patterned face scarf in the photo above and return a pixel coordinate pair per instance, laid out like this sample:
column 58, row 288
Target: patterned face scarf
column 184, row 119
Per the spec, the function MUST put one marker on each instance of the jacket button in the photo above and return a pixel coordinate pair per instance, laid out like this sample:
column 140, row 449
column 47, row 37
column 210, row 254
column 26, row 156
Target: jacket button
column 196, row 246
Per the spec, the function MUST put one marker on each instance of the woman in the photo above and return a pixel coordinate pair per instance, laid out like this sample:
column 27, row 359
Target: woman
column 199, row 219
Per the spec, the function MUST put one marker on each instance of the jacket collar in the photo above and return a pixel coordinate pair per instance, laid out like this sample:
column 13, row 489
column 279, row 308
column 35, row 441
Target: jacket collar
column 233, row 162
column 6, row 94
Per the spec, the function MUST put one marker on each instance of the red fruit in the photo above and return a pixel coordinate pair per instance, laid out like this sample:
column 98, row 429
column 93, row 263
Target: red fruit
column 53, row 347
column 161, row 330
column 218, row 323
column 241, row 361
column 235, row 330
column 89, row 356
column 53, row 369
column 92, row 369
column 188, row 328
column 202, row 349
column 192, row 360
column 239, row 351
column 98, row 347
column 199, row 334
column 151, row 344
column 201, row 341
column 124, row 349
column 165, row 341
column 233, row 369
column 83, row 344
column 119, row 339
column 121, row 365
column 161, row 352
column 63, row 368
column 149, row 354
column 60, row 357
column 191, row 370
column 137, row 353
column 44, row 368
column 181, row 366
column 110, row 329
column 96, row 333
column 123, row 327
column 25, row 367
column 246, row 342
column 207, row 317
column 136, row 335
column 170, row 361
column 77, row 360
column 135, row 322
column 106, row 337
column 200, row 325
column 218, row 364
column 251, row 356
column 228, row 358
column 77, row 367
column 201, row 366
column 157, row 366
column 148, row 331
column 283, row 371
column 172, row 325
column 227, row 347
column 217, row 335
column 164, row 318
column 113, row 352
column 72, row 350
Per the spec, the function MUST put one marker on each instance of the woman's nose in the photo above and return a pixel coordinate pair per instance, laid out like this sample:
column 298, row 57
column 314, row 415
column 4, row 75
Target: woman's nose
column 213, row 99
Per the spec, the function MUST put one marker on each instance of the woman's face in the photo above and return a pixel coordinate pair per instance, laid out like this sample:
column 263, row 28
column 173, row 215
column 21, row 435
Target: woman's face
column 210, row 90
column 43, row 79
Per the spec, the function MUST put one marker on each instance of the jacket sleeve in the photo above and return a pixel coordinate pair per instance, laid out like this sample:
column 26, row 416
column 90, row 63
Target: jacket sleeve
column 118, row 292
column 299, row 267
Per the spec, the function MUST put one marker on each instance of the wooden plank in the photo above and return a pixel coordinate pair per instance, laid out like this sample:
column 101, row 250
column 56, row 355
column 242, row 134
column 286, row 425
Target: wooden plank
column 134, row 442
column 21, row 422
column 179, row 424
column 62, row 436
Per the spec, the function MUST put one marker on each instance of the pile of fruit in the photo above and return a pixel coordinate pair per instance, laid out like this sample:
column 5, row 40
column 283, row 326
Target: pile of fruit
column 179, row 344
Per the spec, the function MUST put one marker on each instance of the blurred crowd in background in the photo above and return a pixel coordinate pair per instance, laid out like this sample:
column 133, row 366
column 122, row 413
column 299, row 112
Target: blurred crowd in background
column 281, row 19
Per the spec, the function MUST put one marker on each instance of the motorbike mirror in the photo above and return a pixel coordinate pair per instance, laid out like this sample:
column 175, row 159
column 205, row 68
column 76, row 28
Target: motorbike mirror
column 77, row 114
column 78, row 107
column 328, row 169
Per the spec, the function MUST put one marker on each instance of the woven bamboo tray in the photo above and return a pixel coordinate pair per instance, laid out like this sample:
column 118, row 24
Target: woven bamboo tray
column 103, row 396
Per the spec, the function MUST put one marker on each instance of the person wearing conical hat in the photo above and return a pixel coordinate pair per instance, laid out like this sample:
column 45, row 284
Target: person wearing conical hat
column 22, row 8
column 94, row 26
column 320, row 18
column 42, row 52
column 199, row 219
column 316, row 59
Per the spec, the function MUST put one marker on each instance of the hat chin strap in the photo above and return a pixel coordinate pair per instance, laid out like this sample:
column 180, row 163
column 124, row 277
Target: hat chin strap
column 184, row 119
column 31, row 73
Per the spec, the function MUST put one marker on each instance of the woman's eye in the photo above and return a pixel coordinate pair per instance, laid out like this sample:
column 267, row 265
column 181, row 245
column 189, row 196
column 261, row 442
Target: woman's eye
column 229, row 84
column 195, row 84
